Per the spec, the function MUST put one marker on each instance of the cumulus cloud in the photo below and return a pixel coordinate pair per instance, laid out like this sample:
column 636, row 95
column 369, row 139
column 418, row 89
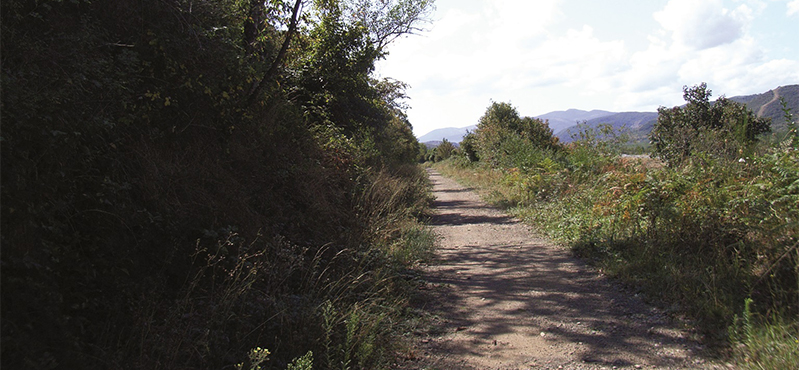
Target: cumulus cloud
column 703, row 24
column 793, row 7
column 539, row 59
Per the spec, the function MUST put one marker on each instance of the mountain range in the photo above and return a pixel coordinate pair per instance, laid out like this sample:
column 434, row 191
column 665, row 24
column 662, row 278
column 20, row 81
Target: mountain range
column 637, row 124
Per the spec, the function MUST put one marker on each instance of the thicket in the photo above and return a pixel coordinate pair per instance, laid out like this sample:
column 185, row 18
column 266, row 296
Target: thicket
column 722, row 129
column 205, row 184
column 710, row 234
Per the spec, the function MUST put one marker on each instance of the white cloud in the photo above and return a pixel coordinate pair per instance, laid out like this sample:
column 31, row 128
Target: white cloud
column 703, row 24
column 514, row 21
column 793, row 7
column 701, row 41
column 537, row 58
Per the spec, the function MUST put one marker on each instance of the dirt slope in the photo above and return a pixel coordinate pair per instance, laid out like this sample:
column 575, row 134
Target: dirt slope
column 507, row 299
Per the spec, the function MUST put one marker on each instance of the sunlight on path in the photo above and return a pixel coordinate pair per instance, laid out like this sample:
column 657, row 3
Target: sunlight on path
column 511, row 300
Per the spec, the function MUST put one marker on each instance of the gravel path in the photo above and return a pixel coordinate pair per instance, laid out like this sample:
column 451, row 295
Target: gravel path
column 503, row 298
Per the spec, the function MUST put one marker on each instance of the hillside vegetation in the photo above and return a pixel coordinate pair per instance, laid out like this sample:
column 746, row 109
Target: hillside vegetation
column 205, row 184
column 709, row 231
column 638, row 125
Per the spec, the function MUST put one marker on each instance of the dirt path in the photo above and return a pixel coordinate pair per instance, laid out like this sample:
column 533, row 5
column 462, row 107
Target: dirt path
column 507, row 299
column 764, row 106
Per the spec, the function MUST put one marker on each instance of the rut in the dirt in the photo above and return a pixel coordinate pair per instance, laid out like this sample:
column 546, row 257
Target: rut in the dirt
column 510, row 300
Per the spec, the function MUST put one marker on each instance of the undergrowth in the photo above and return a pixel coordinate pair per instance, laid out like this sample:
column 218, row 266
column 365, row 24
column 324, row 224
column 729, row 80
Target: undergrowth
column 204, row 185
column 699, row 239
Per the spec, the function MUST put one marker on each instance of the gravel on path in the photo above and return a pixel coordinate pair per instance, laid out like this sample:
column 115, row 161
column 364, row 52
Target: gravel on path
column 505, row 298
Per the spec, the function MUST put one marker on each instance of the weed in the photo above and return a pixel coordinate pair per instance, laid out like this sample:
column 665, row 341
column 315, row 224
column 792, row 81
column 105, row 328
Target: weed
column 772, row 344
column 699, row 237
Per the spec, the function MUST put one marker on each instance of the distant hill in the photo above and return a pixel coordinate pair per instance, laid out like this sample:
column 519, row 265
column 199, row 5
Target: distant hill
column 435, row 143
column 452, row 134
column 639, row 124
column 560, row 120
column 768, row 105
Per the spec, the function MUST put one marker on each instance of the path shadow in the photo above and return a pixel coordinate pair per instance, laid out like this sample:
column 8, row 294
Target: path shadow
column 533, row 282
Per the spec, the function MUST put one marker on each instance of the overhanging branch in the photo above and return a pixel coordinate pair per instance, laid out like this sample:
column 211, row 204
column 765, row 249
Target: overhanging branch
column 271, row 73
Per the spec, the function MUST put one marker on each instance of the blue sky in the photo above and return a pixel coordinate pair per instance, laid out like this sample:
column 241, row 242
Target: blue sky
column 616, row 55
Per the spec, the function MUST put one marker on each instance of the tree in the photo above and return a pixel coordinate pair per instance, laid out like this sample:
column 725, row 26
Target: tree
column 469, row 147
column 494, row 128
column 251, row 33
column 501, row 123
column 722, row 129
column 386, row 20
column 538, row 132
column 444, row 150
column 135, row 144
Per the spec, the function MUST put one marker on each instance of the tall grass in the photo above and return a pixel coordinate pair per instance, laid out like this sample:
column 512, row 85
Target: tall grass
column 698, row 239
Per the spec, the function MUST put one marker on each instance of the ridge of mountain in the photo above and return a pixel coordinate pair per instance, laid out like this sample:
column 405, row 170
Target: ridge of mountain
column 638, row 124
column 768, row 104
column 560, row 120
column 452, row 134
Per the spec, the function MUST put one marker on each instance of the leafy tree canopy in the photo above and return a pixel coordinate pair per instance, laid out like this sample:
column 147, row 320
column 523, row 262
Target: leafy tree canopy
column 501, row 123
column 141, row 139
column 723, row 128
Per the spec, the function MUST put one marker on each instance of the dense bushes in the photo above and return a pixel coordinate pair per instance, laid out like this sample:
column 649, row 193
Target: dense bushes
column 171, row 200
column 723, row 128
column 701, row 236
column 502, row 134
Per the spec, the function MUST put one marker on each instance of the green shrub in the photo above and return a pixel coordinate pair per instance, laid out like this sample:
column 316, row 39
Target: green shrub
column 699, row 237
column 724, row 129
column 501, row 134
column 171, row 200
column 444, row 150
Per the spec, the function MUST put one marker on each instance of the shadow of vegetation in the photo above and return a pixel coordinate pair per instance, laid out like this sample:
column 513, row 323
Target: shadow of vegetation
column 552, row 291
column 455, row 219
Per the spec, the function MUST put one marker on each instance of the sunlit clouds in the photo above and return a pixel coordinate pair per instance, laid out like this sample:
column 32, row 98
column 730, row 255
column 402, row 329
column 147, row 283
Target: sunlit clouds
column 552, row 55
column 703, row 24
column 793, row 7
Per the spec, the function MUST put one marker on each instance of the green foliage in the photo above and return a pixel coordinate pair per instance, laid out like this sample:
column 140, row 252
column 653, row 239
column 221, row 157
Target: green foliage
column 501, row 133
column 764, row 346
column 537, row 132
column 153, row 218
column 793, row 132
column 699, row 237
column 444, row 150
column 388, row 20
column 493, row 129
column 469, row 147
column 255, row 358
column 302, row 363
column 593, row 149
column 723, row 129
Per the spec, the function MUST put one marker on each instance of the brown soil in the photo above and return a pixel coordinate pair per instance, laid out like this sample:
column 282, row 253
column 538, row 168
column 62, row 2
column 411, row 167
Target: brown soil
column 500, row 297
